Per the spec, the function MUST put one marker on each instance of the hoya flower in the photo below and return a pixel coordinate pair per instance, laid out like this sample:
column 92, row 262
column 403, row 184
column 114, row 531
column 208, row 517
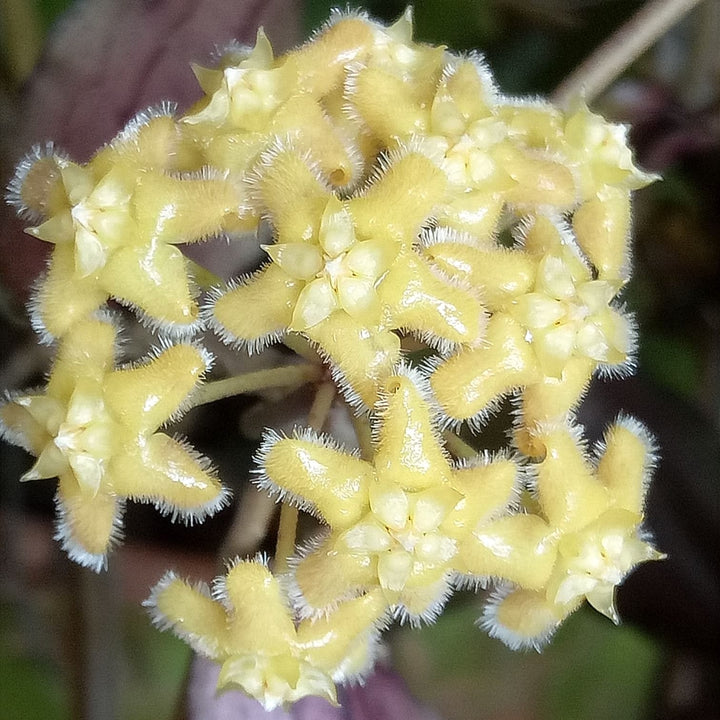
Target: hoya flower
column 596, row 511
column 114, row 223
column 345, row 273
column 95, row 429
column 569, row 312
column 600, row 151
column 546, row 341
column 403, row 522
column 463, row 131
column 252, row 97
column 246, row 625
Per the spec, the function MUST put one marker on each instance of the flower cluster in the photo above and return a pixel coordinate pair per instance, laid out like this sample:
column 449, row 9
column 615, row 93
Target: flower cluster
column 439, row 247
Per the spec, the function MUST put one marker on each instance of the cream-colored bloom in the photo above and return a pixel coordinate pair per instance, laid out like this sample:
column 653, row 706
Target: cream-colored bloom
column 402, row 523
column 114, row 224
column 95, row 429
column 247, row 626
column 555, row 325
column 596, row 515
column 345, row 272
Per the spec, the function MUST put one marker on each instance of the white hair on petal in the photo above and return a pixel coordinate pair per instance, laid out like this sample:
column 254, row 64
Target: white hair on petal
column 276, row 147
column 158, row 326
column 467, row 582
column 627, row 367
column 475, row 422
column 13, row 191
column 252, row 346
column 421, row 384
column 643, row 434
column 443, row 590
column 303, row 609
column 75, row 551
column 166, row 108
column 263, row 481
column 445, row 234
column 484, row 459
column 281, row 494
column 199, row 643
column 489, row 622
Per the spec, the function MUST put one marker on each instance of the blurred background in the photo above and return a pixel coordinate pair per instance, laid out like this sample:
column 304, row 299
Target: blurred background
column 77, row 645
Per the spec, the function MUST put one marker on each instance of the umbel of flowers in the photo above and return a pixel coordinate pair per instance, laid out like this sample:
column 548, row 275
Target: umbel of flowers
column 438, row 248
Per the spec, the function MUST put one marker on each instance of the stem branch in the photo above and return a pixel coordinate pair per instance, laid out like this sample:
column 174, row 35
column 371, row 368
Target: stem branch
column 286, row 376
column 458, row 447
column 621, row 49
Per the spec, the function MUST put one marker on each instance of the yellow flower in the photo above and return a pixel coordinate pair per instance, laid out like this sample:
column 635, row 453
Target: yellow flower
column 94, row 428
column 555, row 325
column 596, row 512
column 458, row 115
column 345, row 274
column 569, row 313
column 246, row 626
column 399, row 523
column 253, row 97
column 113, row 224
column 600, row 152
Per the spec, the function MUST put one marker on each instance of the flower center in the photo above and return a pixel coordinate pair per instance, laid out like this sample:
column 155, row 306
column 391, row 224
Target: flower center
column 85, row 438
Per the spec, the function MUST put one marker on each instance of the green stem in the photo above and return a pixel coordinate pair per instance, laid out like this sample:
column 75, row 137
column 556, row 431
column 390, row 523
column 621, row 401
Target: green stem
column 361, row 425
column 458, row 447
column 287, row 531
column 286, row 376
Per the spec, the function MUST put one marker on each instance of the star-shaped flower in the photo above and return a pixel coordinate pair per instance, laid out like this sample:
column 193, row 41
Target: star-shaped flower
column 596, row 512
column 345, row 274
column 247, row 626
column 95, row 429
column 253, row 97
column 403, row 522
column 114, row 223
column 554, row 326
column 459, row 118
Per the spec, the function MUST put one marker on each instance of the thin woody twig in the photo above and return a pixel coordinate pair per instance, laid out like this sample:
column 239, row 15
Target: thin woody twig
column 621, row 49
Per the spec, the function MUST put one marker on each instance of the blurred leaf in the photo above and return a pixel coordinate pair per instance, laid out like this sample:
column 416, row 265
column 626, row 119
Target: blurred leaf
column 673, row 362
column 158, row 667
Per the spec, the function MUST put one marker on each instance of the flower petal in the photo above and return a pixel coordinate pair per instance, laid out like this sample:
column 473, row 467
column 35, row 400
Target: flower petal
column 145, row 396
column 152, row 277
column 271, row 293
column 169, row 474
column 332, row 481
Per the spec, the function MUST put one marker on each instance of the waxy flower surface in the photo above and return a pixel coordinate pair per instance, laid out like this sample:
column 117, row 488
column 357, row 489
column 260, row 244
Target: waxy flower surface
column 403, row 205
column 406, row 521
column 95, row 429
column 248, row 627
column 596, row 514
column 555, row 325
column 345, row 273
column 113, row 225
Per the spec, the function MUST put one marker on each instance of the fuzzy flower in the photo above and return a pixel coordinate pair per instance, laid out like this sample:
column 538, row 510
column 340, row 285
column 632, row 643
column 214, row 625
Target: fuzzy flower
column 113, row 224
column 252, row 97
column 402, row 523
column 555, row 326
column 596, row 512
column 247, row 626
column 345, row 273
column 95, row 429
column 459, row 120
